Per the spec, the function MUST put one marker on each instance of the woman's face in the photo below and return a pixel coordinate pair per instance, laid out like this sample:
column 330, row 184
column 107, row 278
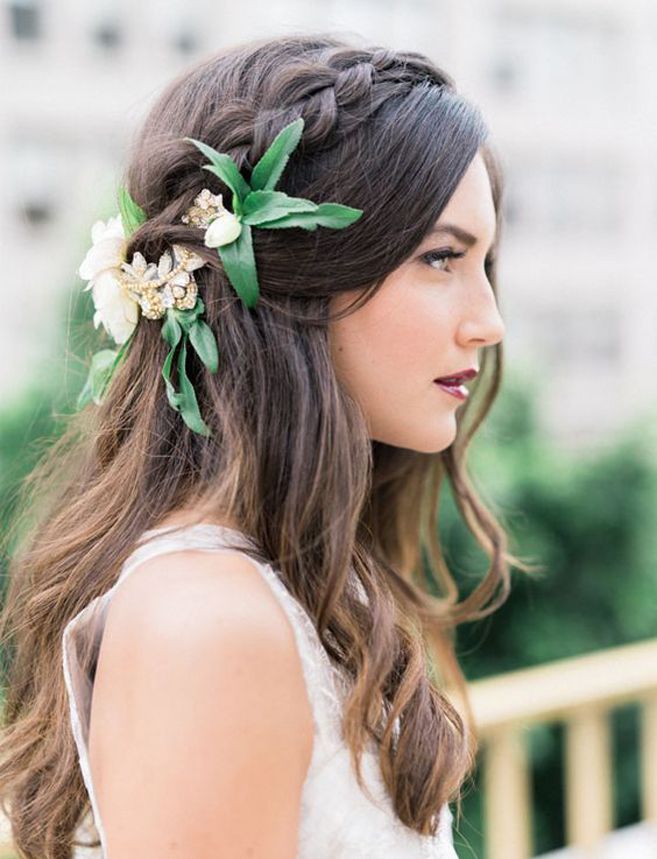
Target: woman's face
column 430, row 318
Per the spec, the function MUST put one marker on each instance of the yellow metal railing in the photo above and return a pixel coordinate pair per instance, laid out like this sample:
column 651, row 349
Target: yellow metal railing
column 580, row 692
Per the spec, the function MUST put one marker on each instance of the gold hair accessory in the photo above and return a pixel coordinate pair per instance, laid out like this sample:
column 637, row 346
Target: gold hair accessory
column 168, row 284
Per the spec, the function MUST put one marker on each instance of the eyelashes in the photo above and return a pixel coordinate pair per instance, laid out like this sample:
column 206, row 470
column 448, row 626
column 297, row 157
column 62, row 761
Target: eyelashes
column 437, row 256
column 441, row 255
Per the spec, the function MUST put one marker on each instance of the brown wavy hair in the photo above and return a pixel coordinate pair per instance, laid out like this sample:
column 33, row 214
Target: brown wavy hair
column 289, row 457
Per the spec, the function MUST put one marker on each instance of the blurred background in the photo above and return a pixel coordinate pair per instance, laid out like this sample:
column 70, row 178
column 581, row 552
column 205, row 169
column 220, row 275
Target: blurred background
column 564, row 676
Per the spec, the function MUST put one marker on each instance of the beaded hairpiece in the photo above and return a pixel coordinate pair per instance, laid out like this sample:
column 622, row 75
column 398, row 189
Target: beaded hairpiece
column 167, row 290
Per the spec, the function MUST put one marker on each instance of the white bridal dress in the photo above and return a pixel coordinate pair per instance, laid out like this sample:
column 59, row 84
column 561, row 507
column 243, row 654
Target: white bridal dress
column 338, row 820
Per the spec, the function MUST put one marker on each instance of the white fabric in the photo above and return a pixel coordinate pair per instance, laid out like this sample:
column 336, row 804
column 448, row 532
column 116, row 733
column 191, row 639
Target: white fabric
column 338, row 820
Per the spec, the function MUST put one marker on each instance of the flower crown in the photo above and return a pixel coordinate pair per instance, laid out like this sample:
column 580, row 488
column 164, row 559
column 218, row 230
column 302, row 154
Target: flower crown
column 167, row 290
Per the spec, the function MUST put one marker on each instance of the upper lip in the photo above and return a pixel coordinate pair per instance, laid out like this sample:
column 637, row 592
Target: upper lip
column 466, row 374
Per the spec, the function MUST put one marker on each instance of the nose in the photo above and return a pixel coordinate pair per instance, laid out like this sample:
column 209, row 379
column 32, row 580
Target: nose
column 482, row 322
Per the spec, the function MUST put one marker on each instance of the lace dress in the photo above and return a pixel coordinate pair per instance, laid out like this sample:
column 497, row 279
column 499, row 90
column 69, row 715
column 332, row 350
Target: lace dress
column 337, row 820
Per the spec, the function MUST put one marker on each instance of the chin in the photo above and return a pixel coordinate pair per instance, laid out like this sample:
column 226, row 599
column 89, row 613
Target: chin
column 421, row 442
column 436, row 448
column 440, row 439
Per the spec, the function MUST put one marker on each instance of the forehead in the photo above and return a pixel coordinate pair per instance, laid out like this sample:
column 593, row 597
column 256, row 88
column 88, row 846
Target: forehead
column 470, row 212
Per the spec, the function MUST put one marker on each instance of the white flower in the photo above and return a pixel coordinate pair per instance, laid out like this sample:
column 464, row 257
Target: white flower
column 117, row 311
column 223, row 229
column 107, row 250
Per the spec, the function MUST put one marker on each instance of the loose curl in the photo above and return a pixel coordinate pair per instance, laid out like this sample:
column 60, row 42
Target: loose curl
column 289, row 458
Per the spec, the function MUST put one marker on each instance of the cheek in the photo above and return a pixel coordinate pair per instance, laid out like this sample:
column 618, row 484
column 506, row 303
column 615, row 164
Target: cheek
column 390, row 346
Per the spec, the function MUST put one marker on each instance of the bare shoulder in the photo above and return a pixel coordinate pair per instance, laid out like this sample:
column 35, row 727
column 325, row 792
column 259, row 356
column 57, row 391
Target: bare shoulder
column 220, row 585
column 199, row 682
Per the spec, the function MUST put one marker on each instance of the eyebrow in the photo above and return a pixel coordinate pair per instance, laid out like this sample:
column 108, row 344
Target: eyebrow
column 458, row 233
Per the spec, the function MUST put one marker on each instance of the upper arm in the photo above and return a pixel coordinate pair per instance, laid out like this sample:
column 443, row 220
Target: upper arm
column 202, row 729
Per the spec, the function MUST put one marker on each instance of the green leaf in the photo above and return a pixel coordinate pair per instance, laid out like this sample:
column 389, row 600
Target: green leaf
column 262, row 206
column 100, row 371
column 204, row 342
column 171, row 330
column 132, row 215
column 188, row 403
column 224, row 167
column 171, row 333
column 103, row 366
column 183, row 401
column 269, row 168
column 333, row 215
column 84, row 396
column 187, row 318
column 174, row 398
column 228, row 178
column 239, row 263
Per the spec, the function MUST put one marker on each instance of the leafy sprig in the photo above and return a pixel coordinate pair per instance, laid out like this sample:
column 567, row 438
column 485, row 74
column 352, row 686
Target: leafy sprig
column 180, row 328
column 257, row 204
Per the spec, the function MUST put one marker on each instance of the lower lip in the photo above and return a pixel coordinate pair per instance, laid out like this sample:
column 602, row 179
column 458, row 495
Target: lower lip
column 458, row 391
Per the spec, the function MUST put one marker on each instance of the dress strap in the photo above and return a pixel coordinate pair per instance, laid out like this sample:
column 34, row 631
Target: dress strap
column 204, row 535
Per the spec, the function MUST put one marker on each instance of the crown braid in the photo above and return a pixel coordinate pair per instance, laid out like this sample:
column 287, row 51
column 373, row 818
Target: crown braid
column 336, row 90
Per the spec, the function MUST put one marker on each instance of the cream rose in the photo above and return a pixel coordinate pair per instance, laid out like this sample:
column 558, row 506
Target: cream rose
column 115, row 309
column 107, row 249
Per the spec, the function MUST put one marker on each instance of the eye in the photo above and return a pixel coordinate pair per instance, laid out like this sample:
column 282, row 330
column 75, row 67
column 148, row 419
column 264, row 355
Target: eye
column 440, row 256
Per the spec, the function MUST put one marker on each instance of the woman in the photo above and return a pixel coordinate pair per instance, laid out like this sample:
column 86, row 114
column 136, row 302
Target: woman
column 274, row 680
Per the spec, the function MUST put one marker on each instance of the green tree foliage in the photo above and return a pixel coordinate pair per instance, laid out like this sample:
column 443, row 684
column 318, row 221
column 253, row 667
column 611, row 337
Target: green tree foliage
column 30, row 422
column 587, row 517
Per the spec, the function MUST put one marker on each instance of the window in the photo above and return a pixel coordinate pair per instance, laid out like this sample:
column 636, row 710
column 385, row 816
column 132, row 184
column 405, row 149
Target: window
column 24, row 20
column 107, row 34
column 565, row 194
column 541, row 53
column 185, row 42
column 39, row 169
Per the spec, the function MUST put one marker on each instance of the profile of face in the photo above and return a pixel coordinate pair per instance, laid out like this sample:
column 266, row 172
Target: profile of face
column 430, row 318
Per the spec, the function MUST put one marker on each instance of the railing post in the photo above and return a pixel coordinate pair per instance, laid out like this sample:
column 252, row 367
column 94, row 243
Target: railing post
column 648, row 747
column 507, row 806
column 588, row 778
column 580, row 692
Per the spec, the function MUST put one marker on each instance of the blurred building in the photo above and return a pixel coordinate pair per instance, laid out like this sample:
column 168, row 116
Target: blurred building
column 568, row 89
